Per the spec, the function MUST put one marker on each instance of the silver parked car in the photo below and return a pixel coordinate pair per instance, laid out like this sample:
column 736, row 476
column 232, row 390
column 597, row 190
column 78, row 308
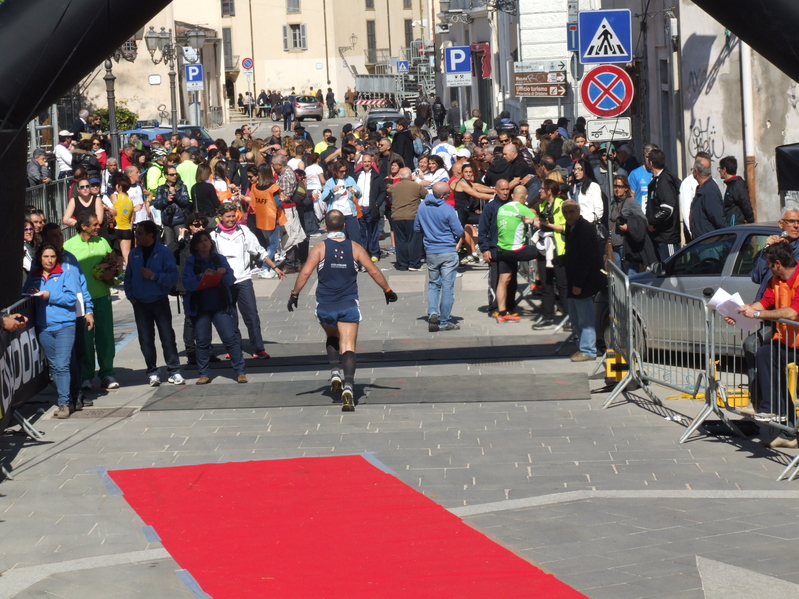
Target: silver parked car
column 308, row 107
column 721, row 259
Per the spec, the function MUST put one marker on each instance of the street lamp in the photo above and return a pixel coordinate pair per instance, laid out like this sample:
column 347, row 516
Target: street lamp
column 163, row 43
column 128, row 51
column 353, row 41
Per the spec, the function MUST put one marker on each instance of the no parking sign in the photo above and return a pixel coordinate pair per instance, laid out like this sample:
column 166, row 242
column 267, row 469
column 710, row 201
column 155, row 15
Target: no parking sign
column 607, row 91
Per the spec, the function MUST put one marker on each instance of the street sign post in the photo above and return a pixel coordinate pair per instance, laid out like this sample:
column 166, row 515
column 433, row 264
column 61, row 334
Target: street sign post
column 607, row 91
column 536, row 90
column 615, row 129
column 541, row 66
column 247, row 64
column 605, row 36
column 459, row 79
column 194, row 77
column 402, row 66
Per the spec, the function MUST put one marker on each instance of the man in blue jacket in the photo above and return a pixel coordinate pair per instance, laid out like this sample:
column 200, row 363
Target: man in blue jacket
column 438, row 223
column 150, row 274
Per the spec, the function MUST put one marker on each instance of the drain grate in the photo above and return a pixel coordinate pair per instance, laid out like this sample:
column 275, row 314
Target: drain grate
column 104, row 413
column 495, row 362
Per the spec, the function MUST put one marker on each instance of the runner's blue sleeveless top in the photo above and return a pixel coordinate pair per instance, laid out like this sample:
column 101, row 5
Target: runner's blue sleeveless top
column 338, row 274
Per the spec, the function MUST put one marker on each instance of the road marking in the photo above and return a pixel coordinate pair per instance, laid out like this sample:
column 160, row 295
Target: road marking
column 555, row 498
column 16, row 580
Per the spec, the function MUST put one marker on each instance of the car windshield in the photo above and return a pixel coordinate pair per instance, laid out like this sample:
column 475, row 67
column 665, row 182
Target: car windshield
column 382, row 119
column 196, row 133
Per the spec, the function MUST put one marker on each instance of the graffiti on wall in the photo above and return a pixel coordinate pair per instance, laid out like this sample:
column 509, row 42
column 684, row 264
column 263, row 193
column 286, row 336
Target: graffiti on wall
column 705, row 138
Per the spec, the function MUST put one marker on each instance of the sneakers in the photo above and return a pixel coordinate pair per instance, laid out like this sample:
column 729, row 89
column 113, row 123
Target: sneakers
column 336, row 385
column 769, row 417
column 86, row 385
column 391, row 250
column 203, row 380
column 271, row 274
column 432, row 323
column 450, row 327
column 581, row 357
column 62, row 412
column 155, row 380
column 544, row 325
column 176, row 379
column 87, row 403
column 413, row 269
column 509, row 317
column 375, row 258
column 568, row 327
column 242, row 378
column 109, row 382
column 261, row 355
column 781, row 442
column 468, row 259
column 347, row 400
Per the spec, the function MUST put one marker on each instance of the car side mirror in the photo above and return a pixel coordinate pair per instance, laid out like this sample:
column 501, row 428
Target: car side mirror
column 658, row 269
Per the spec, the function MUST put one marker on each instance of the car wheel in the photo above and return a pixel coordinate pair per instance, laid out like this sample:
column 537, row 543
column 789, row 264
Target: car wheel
column 318, row 119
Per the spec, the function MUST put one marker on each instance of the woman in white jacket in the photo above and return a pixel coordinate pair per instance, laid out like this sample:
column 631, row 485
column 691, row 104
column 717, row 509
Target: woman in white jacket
column 586, row 191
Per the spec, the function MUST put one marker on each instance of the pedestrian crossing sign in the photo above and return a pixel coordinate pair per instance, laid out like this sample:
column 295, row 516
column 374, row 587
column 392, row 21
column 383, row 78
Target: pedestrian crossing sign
column 605, row 36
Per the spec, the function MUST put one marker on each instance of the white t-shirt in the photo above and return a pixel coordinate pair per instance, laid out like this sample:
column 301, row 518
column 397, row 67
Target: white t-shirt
column 137, row 197
column 365, row 183
column 220, row 184
column 63, row 158
column 312, row 180
column 294, row 163
column 341, row 201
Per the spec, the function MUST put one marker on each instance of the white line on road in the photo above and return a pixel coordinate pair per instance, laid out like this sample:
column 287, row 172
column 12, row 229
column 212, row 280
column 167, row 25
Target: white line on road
column 17, row 580
column 541, row 500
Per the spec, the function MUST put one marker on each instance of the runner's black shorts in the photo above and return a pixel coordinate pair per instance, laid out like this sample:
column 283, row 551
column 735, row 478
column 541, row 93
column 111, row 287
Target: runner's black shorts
column 509, row 259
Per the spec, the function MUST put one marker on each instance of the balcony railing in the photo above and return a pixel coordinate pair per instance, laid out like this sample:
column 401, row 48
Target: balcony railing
column 377, row 55
column 231, row 62
column 467, row 4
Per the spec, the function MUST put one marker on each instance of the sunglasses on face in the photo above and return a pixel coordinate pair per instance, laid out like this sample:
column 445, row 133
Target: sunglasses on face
column 26, row 229
column 619, row 187
column 83, row 186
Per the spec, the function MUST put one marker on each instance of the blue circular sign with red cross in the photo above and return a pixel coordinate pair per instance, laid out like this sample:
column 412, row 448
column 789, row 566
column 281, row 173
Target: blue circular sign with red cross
column 607, row 91
column 247, row 64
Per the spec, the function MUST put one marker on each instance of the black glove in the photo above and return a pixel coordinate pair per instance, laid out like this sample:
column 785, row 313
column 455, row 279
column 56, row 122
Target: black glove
column 390, row 296
column 293, row 301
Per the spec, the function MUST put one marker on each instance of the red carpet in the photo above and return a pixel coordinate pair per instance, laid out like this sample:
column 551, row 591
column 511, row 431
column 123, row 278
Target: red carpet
column 322, row 528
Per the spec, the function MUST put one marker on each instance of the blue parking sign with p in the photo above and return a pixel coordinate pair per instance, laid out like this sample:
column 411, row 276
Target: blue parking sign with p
column 458, row 59
column 194, row 73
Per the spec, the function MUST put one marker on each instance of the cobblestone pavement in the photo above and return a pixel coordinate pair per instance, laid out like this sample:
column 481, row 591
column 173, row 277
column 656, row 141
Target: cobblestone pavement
column 606, row 500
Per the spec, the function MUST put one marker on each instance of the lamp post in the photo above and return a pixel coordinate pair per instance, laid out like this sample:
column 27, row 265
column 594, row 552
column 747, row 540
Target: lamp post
column 129, row 53
column 163, row 43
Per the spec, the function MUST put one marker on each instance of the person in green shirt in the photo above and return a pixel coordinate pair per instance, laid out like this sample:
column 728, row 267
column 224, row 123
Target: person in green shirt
column 552, row 224
column 512, row 246
column 155, row 174
column 89, row 250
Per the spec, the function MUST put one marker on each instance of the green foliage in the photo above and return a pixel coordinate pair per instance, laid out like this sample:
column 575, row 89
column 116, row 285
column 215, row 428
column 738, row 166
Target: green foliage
column 126, row 119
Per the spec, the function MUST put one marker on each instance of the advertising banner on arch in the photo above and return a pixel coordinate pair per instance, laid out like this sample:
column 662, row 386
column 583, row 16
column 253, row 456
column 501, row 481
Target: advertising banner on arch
column 23, row 366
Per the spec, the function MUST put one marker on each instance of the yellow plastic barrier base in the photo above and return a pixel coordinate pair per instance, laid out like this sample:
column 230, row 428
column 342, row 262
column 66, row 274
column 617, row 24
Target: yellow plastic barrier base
column 615, row 367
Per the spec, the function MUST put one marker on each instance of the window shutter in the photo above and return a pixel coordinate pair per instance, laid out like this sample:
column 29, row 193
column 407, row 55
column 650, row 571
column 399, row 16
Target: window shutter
column 285, row 38
column 303, row 39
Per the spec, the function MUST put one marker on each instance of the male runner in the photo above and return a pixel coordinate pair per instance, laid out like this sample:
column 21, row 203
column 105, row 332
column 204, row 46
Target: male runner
column 337, row 310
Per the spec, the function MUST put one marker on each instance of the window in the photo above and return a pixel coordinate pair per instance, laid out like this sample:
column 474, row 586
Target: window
column 407, row 4
column 408, row 32
column 371, row 38
column 294, row 37
column 228, row 8
column 292, row 5
column 370, row 4
column 706, row 258
column 748, row 254
column 227, row 48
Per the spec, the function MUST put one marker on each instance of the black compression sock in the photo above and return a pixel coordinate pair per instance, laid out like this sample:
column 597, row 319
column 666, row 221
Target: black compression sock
column 348, row 361
column 331, row 345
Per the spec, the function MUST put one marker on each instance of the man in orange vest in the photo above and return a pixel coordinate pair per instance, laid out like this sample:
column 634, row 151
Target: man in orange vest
column 780, row 301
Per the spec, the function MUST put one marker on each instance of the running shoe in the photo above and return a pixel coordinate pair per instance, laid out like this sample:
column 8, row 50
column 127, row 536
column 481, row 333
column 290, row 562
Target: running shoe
column 155, row 380
column 176, row 379
column 271, row 274
column 391, row 250
column 348, row 400
column 86, row 385
column 109, row 382
column 509, row 317
column 432, row 323
column 336, row 385
column 544, row 325
column 261, row 355
column 450, row 327
column 375, row 258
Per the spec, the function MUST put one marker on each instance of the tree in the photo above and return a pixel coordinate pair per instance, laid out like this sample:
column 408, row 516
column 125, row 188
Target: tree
column 126, row 118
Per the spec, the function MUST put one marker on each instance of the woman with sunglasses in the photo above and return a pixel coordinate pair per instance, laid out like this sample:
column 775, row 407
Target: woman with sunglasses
column 84, row 202
column 341, row 193
column 586, row 192
column 632, row 245
column 99, row 151
column 30, row 241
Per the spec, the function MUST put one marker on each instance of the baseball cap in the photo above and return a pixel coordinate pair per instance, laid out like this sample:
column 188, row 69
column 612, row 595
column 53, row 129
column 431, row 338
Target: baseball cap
column 94, row 180
column 552, row 128
column 346, row 128
column 463, row 153
column 604, row 147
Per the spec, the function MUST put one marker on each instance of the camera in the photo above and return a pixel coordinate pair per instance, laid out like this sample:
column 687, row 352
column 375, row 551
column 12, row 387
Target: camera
column 546, row 214
column 621, row 221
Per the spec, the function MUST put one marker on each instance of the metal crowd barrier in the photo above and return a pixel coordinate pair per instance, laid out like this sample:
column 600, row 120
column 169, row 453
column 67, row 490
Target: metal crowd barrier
column 675, row 341
column 52, row 199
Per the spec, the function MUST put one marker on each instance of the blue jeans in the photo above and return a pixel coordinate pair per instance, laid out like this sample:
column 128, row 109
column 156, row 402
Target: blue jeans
column 57, row 346
column 148, row 316
column 273, row 241
column 442, row 269
column 581, row 314
column 352, row 228
column 225, row 324
column 244, row 299
column 370, row 233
